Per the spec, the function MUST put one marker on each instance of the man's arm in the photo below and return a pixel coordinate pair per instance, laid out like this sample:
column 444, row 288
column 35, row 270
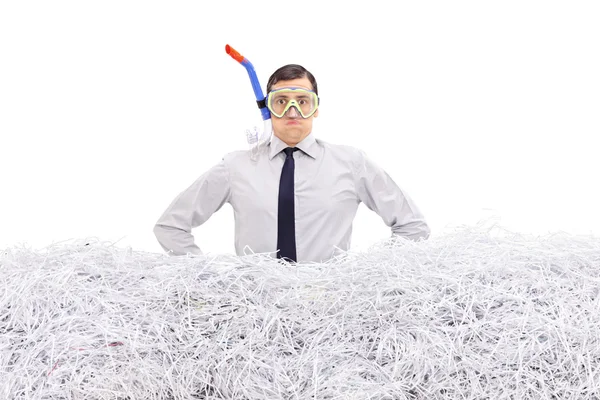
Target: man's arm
column 192, row 208
column 381, row 194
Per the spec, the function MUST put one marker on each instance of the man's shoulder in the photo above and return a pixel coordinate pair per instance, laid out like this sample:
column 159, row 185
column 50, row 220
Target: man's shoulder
column 235, row 155
column 244, row 158
column 343, row 150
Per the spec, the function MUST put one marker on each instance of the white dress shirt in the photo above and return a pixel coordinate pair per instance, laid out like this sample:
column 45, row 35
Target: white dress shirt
column 330, row 182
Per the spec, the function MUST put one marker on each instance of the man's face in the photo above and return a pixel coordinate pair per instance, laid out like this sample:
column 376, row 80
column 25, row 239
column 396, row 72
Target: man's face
column 291, row 128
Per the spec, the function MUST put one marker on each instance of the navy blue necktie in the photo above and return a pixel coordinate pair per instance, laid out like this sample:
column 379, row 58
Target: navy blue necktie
column 286, row 228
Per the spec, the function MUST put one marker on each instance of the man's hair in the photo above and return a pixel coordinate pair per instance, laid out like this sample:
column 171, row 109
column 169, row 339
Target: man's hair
column 289, row 72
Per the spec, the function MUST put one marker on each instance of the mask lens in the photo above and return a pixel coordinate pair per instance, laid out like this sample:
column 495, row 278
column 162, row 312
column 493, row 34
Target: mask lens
column 280, row 100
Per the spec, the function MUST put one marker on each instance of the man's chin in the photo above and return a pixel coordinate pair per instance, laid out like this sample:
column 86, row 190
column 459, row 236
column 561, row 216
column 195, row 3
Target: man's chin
column 292, row 137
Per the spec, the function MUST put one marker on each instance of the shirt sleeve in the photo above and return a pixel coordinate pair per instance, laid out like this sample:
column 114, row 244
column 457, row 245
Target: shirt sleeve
column 378, row 191
column 190, row 209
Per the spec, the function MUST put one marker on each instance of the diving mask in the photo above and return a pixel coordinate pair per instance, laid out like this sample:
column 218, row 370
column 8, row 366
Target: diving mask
column 280, row 100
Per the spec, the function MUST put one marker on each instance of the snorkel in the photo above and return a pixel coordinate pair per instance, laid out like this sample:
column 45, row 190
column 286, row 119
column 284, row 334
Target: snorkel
column 260, row 97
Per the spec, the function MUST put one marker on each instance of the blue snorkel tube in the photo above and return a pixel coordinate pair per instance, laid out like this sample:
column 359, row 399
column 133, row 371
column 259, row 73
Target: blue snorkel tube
column 258, row 93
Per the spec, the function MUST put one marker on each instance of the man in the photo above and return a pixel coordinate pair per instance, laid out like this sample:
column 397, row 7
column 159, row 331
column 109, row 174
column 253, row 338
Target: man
column 299, row 198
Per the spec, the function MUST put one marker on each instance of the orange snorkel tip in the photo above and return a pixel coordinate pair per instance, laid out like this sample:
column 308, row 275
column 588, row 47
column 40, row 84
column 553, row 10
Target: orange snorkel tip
column 234, row 53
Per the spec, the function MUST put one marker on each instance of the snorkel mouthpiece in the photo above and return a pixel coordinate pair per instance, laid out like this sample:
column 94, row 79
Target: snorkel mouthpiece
column 258, row 93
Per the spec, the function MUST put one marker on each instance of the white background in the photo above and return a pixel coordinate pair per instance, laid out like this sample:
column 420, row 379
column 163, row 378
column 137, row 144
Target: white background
column 478, row 109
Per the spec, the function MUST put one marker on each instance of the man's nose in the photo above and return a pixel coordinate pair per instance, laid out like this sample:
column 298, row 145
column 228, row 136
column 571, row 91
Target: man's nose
column 292, row 112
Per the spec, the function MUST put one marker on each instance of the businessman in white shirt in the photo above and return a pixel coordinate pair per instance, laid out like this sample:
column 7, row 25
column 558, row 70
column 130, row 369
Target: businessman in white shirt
column 298, row 198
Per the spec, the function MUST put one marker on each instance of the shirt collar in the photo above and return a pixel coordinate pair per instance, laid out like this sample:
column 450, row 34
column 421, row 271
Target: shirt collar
column 306, row 145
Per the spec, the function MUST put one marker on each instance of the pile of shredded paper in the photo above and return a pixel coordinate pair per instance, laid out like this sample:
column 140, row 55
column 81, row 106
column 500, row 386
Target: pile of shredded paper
column 471, row 314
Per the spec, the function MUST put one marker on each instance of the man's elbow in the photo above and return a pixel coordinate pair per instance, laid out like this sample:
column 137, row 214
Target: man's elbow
column 161, row 232
column 175, row 241
column 162, row 236
column 414, row 231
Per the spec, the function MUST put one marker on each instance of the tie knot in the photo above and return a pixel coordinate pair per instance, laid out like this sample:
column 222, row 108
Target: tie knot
column 289, row 150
